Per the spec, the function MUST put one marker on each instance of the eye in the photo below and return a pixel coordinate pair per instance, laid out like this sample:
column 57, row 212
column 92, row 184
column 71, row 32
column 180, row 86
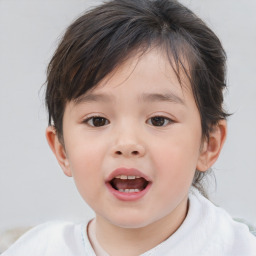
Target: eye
column 96, row 121
column 159, row 121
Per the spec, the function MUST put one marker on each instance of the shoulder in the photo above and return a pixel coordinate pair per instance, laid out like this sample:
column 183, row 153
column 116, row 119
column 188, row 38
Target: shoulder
column 251, row 227
column 51, row 238
column 224, row 233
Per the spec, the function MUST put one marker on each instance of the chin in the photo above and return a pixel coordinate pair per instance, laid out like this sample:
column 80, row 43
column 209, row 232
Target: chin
column 131, row 221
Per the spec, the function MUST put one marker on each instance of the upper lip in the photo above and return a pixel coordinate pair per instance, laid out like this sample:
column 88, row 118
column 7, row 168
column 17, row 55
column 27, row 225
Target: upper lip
column 128, row 172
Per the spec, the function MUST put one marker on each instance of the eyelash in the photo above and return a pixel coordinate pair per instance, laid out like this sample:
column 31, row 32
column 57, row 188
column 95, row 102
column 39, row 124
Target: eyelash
column 87, row 120
column 169, row 121
column 90, row 119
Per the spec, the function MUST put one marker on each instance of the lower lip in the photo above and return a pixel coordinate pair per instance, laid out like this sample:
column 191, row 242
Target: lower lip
column 128, row 196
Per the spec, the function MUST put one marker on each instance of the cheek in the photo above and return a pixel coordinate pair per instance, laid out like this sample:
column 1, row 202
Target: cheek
column 84, row 153
column 176, row 156
column 84, row 160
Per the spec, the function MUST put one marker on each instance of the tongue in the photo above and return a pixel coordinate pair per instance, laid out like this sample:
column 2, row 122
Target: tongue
column 139, row 183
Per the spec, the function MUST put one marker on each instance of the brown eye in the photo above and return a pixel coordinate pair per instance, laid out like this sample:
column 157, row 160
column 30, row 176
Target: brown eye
column 159, row 121
column 97, row 121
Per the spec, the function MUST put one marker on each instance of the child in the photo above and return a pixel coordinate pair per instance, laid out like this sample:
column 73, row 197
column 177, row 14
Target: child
column 134, row 94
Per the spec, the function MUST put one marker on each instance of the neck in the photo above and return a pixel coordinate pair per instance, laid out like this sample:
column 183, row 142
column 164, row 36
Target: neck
column 117, row 240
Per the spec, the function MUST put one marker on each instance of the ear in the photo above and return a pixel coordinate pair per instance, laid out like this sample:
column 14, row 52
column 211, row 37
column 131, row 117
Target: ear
column 211, row 148
column 58, row 149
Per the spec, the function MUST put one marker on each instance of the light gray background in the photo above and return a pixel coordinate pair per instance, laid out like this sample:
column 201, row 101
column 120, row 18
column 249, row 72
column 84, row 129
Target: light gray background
column 33, row 188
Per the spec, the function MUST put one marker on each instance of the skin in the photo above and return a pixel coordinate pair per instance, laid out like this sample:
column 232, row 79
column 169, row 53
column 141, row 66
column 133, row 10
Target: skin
column 168, row 154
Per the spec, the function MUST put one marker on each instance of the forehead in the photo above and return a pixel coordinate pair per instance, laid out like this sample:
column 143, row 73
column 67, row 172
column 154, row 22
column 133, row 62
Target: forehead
column 152, row 75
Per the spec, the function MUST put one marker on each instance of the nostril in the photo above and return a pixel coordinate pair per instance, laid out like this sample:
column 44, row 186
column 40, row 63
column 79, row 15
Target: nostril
column 128, row 150
column 134, row 153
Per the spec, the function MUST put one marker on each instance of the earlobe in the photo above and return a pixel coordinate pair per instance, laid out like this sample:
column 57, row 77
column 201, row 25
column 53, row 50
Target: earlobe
column 211, row 148
column 58, row 150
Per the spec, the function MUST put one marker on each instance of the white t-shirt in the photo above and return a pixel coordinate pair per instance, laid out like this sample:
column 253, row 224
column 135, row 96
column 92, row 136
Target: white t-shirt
column 207, row 231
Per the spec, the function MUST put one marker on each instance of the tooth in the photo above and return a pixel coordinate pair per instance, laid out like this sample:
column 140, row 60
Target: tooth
column 127, row 190
column 131, row 177
column 123, row 177
column 118, row 177
column 137, row 177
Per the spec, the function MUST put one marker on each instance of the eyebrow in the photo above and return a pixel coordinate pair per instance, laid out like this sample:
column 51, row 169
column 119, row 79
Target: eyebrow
column 94, row 98
column 167, row 97
column 145, row 97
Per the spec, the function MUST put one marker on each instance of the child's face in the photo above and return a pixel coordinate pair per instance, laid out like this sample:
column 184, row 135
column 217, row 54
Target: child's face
column 148, row 122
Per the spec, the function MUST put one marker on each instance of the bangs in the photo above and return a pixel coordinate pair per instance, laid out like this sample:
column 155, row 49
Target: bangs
column 95, row 63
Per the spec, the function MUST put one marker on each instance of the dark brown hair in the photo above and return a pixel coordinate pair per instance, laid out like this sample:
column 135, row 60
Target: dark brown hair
column 107, row 35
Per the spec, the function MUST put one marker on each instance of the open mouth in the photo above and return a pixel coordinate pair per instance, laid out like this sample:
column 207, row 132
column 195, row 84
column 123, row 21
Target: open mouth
column 129, row 183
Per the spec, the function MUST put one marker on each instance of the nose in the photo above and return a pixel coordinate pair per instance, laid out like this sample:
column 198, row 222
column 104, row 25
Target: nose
column 128, row 140
column 128, row 150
